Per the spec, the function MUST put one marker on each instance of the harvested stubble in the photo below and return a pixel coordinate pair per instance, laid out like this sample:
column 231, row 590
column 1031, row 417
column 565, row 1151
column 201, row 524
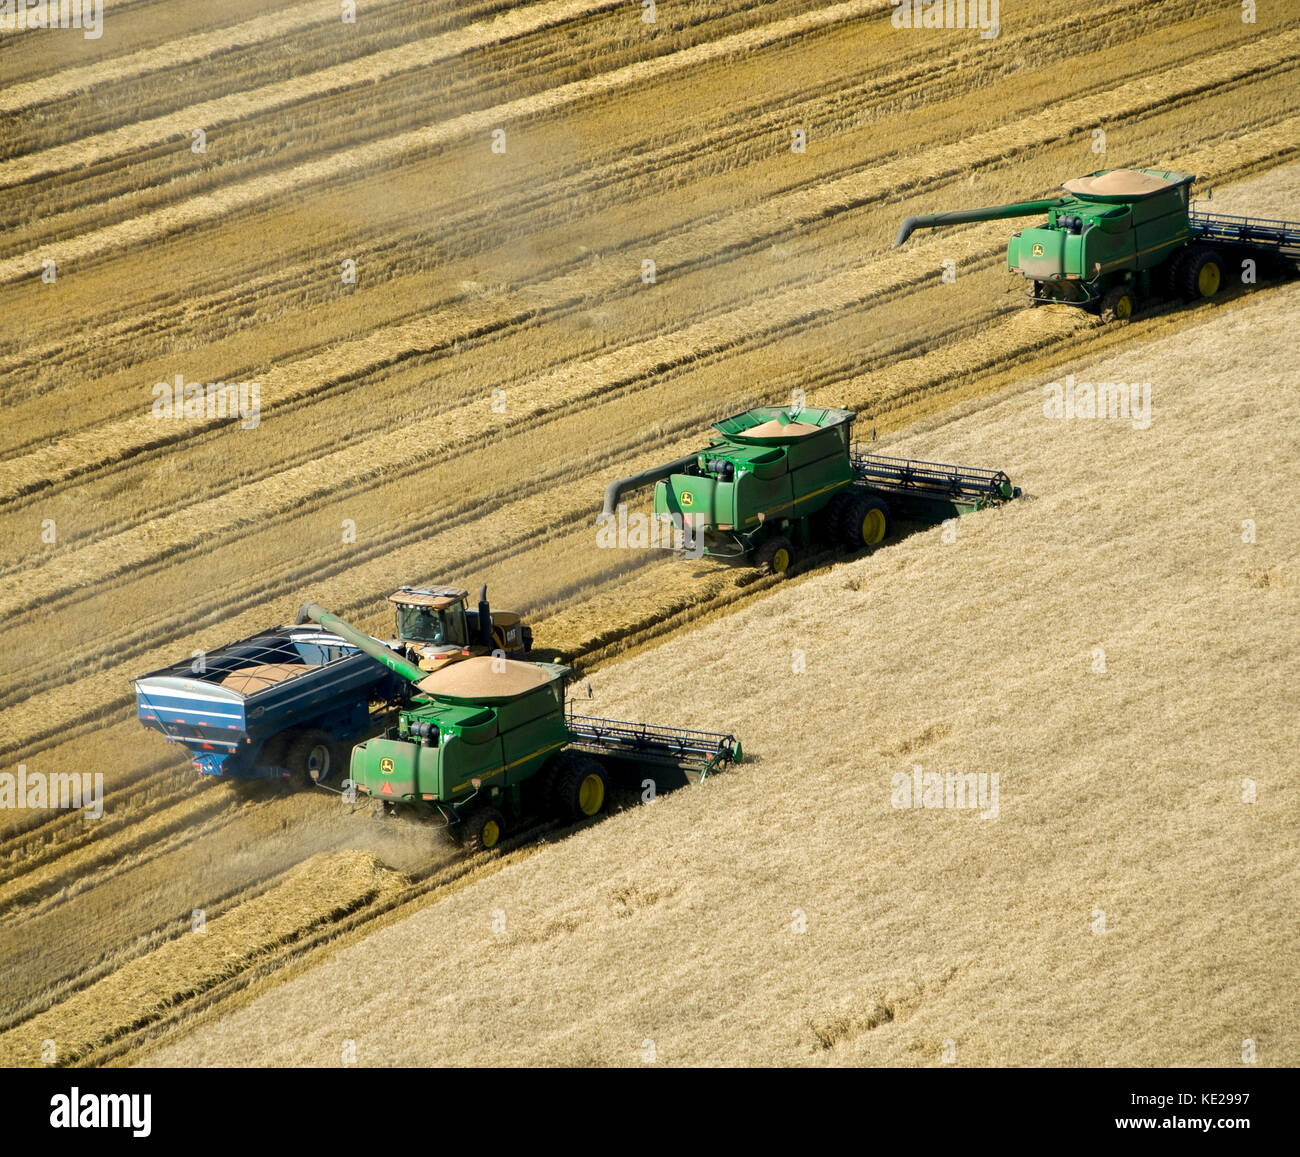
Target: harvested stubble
column 1120, row 792
column 253, row 291
column 320, row 890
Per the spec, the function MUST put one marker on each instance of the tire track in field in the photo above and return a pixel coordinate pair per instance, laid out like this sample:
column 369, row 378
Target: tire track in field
column 813, row 107
column 1011, row 343
column 187, row 50
column 375, row 155
column 367, row 70
column 86, row 450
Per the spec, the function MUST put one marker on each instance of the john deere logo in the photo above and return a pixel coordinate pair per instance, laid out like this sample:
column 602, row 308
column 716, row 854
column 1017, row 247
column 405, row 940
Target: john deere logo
column 688, row 499
column 1038, row 250
column 386, row 765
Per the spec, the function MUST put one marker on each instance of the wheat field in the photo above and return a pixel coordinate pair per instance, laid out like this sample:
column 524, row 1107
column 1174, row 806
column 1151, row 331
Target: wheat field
column 498, row 359
column 1121, row 904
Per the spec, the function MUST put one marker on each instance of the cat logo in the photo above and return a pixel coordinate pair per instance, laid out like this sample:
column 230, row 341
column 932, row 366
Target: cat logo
column 1038, row 249
column 688, row 499
column 386, row 765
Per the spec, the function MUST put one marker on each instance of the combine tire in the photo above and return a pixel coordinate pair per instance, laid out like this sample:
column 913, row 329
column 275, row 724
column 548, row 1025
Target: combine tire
column 1117, row 305
column 311, row 758
column 864, row 522
column 1200, row 274
column 483, row 830
column 579, row 787
column 775, row 556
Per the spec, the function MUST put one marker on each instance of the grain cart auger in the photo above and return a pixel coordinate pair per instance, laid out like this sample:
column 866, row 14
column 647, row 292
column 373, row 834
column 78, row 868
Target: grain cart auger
column 1119, row 236
column 774, row 481
column 488, row 740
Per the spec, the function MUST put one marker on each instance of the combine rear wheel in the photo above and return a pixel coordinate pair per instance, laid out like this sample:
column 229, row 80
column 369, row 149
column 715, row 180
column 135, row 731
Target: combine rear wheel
column 483, row 830
column 1200, row 274
column 775, row 556
column 579, row 788
column 1117, row 305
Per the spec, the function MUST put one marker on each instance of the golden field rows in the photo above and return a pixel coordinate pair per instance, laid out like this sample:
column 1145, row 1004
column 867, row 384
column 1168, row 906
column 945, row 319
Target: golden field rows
column 477, row 273
column 1116, row 903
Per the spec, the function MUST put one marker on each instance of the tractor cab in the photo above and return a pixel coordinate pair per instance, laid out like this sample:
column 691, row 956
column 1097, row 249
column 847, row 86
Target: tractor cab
column 434, row 626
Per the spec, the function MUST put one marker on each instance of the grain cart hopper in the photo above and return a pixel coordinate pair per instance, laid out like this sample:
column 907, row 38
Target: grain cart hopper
column 489, row 740
column 1120, row 236
column 434, row 627
column 775, row 481
column 285, row 702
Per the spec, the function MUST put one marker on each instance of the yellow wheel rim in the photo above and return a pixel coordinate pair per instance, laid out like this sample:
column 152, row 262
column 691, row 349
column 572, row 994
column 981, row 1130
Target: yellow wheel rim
column 1207, row 281
column 491, row 833
column 591, row 795
column 780, row 561
column 873, row 526
column 1124, row 307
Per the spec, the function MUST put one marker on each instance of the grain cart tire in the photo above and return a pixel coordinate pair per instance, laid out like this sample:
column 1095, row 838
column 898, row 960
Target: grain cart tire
column 1200, row 274
column 579, row 788
column 865, row 523
column 1118, row 305
column 775, row 556
column 273, row 751
column 483, row 830
column 310, row 757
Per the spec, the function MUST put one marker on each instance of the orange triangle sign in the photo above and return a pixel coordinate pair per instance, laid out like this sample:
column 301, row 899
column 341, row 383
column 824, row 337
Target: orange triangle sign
column 387, row 789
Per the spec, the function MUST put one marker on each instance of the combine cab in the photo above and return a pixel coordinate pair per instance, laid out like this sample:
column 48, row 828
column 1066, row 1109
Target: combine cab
column 434, row 627
column 775, row 482
column 1121, row 236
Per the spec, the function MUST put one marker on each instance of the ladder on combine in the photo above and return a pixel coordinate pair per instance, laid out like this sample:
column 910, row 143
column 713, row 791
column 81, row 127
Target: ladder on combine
column 931, row 490
column 1281, row 237
column 696, row 753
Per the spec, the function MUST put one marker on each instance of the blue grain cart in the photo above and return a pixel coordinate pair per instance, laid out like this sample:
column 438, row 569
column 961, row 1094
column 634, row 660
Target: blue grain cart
column 286, row 702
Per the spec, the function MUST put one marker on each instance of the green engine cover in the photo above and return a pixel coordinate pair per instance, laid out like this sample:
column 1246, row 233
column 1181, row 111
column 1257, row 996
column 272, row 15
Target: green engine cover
column 757, row 471
column 446, row 750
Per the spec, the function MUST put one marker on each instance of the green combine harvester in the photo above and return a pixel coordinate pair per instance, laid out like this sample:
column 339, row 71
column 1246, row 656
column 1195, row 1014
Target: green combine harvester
column 1121, row 236
column 776, row 481
column 488, row 740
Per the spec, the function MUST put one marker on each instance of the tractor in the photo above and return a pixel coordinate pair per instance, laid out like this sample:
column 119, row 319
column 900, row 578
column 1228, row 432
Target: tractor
column 434, row 627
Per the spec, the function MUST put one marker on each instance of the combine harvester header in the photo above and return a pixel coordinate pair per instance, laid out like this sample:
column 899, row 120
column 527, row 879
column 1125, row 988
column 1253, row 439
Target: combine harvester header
column 776, row 480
